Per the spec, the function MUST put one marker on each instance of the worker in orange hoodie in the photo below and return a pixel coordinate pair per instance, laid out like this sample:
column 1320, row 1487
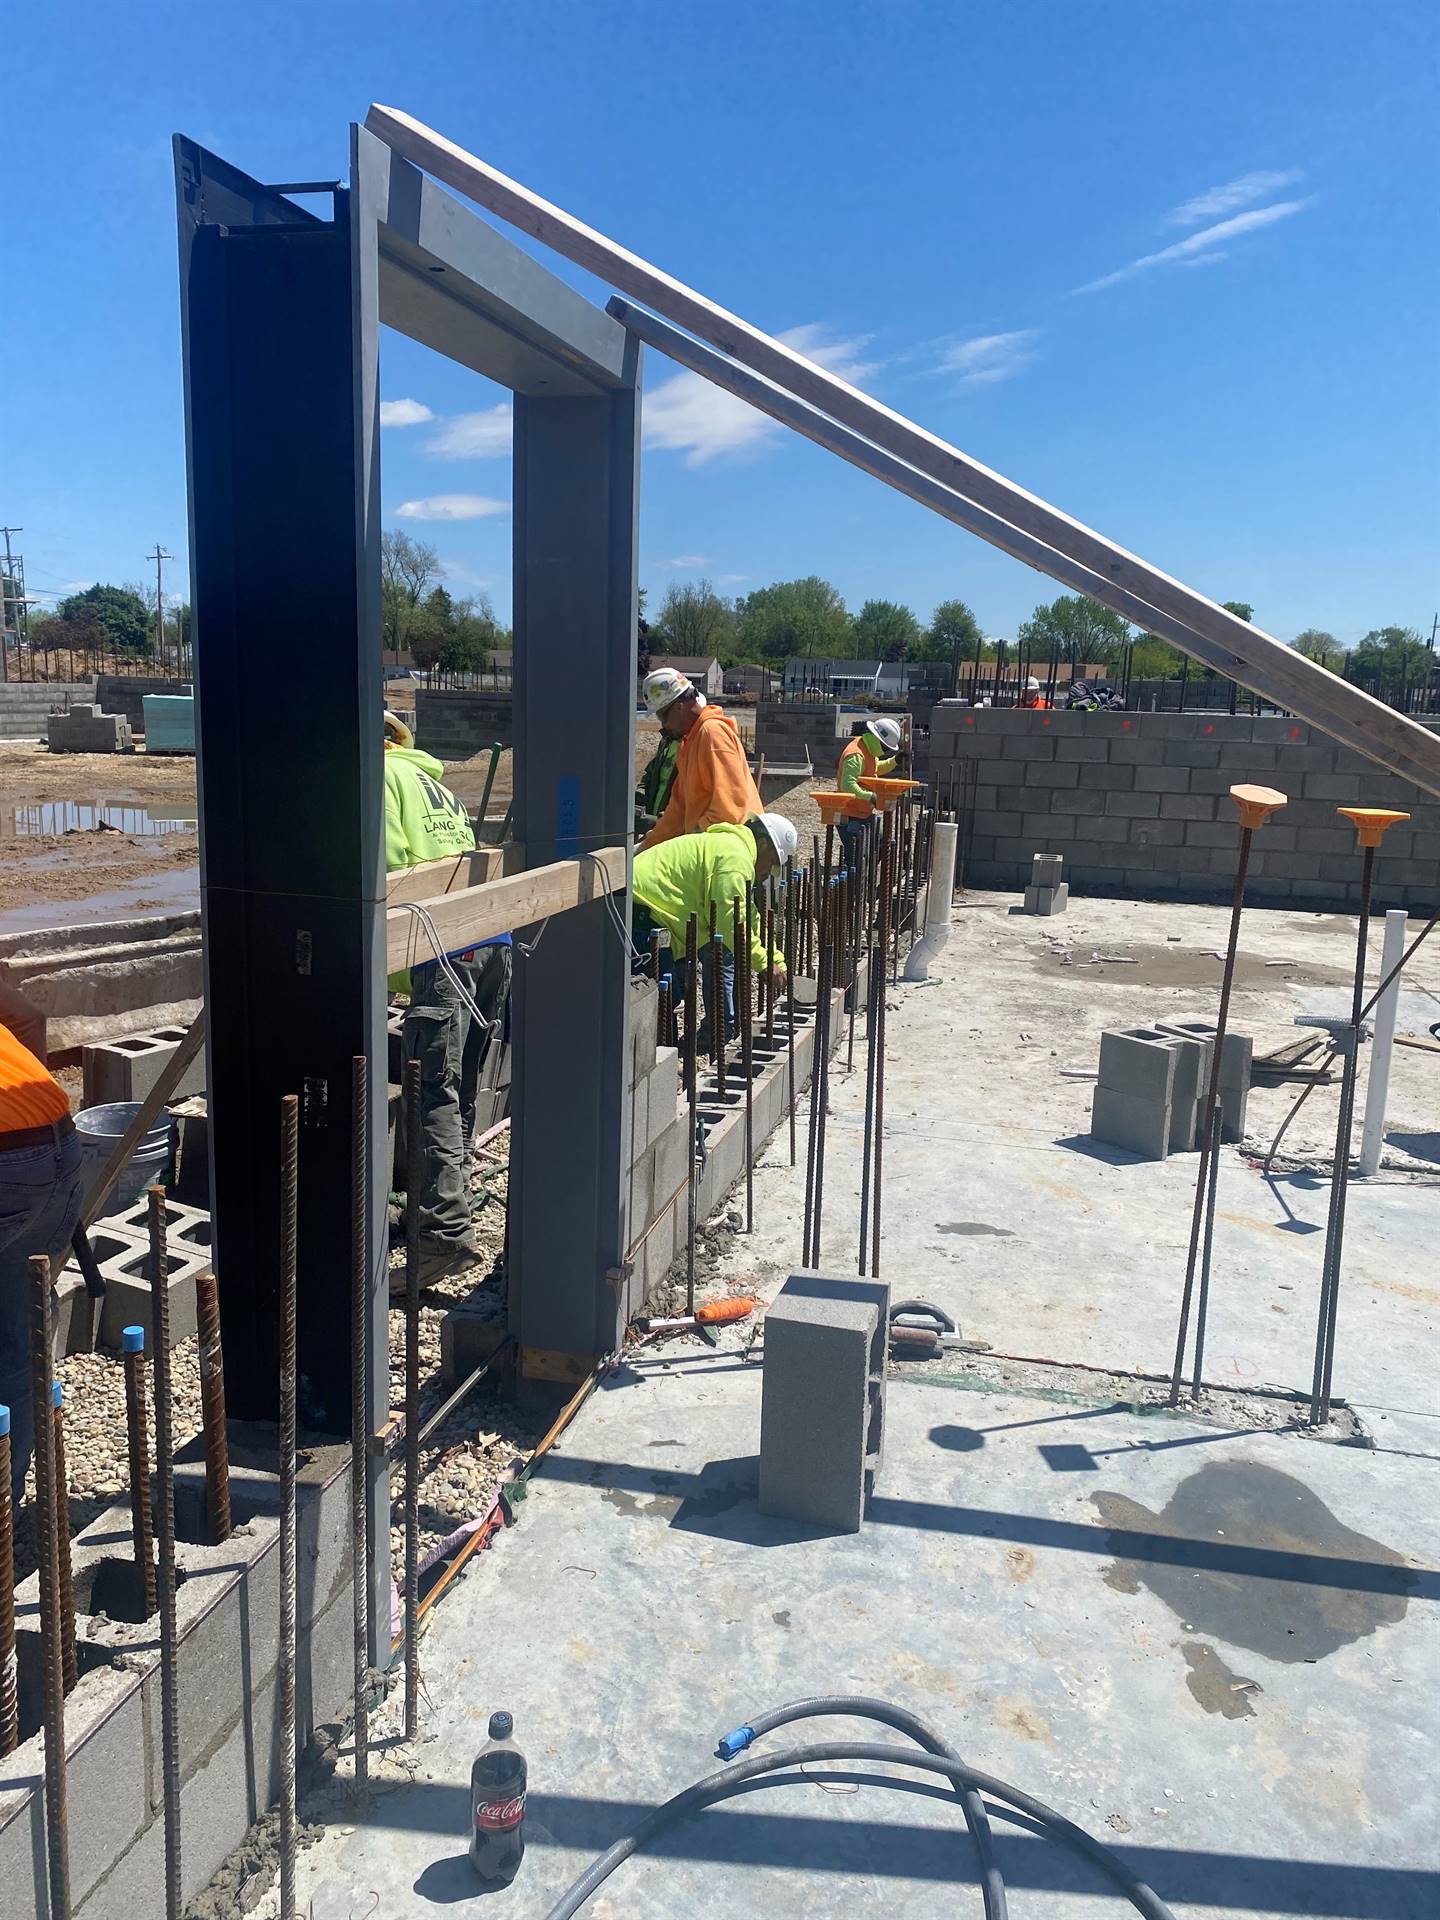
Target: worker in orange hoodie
column 713, row 785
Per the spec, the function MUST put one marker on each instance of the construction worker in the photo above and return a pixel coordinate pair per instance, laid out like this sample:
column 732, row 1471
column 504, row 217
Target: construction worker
column 41, row 1190
column 1032, row 696
column 712, row 781
column 456, row 1011
column 867, row 753
column 653, row 793
column 686, row 876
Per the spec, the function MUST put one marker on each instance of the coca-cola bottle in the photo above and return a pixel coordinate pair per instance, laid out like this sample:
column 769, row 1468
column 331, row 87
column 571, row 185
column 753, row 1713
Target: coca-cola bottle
column 497, row 1805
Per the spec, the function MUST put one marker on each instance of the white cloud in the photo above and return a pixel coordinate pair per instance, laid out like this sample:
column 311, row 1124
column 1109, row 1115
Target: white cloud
column 463, row 574
column 404, row 413
column 1197, row 244
column 688, row 560
column 732, row 579
column 688, row 414
column 1204, row 259
column 990, row 357
column 1243, row 191
column 474, row 436
column 451, row 506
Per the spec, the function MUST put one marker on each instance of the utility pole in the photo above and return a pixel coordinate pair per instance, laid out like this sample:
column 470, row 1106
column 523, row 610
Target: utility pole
column 14, row 591
column 159, row 556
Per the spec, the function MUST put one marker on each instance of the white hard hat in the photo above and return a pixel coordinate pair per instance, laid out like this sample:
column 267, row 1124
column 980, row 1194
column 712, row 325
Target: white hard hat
column 665, row 686
column 396, row 731
column 780, row 832
column 1032, row 685
column 887, row 732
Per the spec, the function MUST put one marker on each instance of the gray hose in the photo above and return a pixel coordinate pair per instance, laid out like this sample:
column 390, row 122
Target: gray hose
column 731, row 1780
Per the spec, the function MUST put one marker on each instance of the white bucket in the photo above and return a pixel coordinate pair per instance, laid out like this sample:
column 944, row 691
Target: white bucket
column 101, row 1130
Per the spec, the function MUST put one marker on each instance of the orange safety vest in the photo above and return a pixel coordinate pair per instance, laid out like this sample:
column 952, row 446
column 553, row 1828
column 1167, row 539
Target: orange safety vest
column 30, row 1096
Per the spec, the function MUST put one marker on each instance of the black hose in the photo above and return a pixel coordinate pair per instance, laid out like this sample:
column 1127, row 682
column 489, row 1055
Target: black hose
column 860, row 1707
column 731, row 1780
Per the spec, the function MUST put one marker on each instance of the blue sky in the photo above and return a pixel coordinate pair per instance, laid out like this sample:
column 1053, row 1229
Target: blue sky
column 1175, row 268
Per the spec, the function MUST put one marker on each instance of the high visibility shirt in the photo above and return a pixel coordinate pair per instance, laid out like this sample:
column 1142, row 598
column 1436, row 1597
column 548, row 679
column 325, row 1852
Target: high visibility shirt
column 423, row 819
column 657, row 779
column 857, row 760
column 30, row 1096
column 713, row 783
column 685, row 875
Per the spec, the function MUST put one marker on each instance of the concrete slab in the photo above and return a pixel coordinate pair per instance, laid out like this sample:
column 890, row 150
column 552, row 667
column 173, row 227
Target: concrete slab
column 1212, row 1650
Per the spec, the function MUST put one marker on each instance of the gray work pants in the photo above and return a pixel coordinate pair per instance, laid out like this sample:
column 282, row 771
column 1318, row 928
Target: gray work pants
column 443, row 1035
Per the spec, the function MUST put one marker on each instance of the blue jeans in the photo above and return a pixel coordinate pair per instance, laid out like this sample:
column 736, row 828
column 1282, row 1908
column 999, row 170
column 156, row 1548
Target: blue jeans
column 672, row 966
column 40, row 1195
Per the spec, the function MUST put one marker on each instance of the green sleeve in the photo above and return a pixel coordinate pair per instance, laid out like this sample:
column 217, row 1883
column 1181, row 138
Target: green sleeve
column 850, row 766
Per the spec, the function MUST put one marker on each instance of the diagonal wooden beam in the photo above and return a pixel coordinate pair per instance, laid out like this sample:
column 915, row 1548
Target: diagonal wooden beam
column 1271, row 668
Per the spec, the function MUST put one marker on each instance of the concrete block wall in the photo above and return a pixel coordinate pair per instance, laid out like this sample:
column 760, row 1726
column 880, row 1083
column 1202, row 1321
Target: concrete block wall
column 125, row 693
column 452, row 726
column 1138, row 804
column 228, row 1689
column 785, row 730
column 25, row 705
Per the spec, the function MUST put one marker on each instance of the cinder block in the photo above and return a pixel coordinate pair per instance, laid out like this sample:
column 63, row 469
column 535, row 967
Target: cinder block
column 1139, row 1124
column 128, row 1298
column 644, row 1018
column 1133, row 806
column 127, row 1069
column 469, row 1334
column 1047, row 900
column 1135, row 1072
column 662, row 1093
column 1045, row 870
column 1138, row 1061
column 192, row 1166
column 822, row 1407
column 1235, row 1061
column 1166, row 779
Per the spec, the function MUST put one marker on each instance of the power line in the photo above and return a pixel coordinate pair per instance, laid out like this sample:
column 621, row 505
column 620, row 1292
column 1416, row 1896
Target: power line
column 14, row 594
column 159, row 556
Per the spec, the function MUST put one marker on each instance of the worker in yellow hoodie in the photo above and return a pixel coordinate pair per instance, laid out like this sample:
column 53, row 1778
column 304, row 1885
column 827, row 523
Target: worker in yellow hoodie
column 691, row 874
column 425, row 821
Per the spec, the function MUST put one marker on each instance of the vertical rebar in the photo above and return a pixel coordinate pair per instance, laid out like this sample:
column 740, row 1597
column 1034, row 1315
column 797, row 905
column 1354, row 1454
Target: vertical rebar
column 1207, row 1248
column 770, row 994
column 886, row 892
column 1340, row 1171
column 718, row 1021
column 414, row 1182
column 1212, row 1130
column 820, row 1061
column 790, row 998
column 744, row 986
column 359, row 1426
column 664, row 1019
column 65, row 1579
column 9, row 1672
column 289, row 1381
column 165, row 1539
column 212, row 1406
column 692, row 1088
column 655, row 957
column 132, row 1341
column 57, row 1820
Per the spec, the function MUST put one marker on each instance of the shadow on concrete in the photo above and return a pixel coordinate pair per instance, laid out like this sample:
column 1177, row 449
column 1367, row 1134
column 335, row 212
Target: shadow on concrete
column 898, row 1850
column 1424, row 1146
column 1102, row 1150
column 719, row 1502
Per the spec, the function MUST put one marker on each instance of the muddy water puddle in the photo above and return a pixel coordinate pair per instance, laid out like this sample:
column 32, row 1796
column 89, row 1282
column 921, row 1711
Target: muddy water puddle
column 40, row 818
column 1136, row 964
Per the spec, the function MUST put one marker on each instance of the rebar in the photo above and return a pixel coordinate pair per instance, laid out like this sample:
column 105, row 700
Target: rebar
column 289, row 1382
column 820, row 1059
column 132, row 1340
column 716, row 997
column 65, row 1579
column 359, row 1426
column 744, row 988
column 414, row 1185
column 854, row 896
column 57, row 1817
column 9, row 1672
column 790, row 999
column 165, row 1539
column 1340, row 1170
column 655, row 957
column 664, row 1018
column 1211, row 1120
column 770, row 994
column 886, row 891
column 692, row 1089
column 212, row 1406
column 1202, row 1304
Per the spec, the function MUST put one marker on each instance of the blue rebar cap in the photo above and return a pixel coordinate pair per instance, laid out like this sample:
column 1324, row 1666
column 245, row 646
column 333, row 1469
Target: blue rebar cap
column 132, row 1340
column 736, row 1742
column 57, row 1394
column 4, row 1419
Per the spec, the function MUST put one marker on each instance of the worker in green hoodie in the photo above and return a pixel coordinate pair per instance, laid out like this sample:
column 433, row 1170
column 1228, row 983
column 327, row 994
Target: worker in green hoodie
column 425, row 821
column 691, row 873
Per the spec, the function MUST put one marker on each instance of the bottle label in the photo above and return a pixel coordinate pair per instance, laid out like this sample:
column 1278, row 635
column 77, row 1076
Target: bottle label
column 499, row 1816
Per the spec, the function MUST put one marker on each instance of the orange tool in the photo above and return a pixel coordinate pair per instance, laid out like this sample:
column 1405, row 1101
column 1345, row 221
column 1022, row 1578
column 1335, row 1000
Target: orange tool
column 1256, row 804
column 1371, row 822
column 835, row 807
column 886, row 790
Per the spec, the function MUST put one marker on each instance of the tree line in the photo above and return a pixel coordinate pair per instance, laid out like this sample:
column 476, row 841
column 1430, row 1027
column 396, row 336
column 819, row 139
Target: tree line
column 106, row 618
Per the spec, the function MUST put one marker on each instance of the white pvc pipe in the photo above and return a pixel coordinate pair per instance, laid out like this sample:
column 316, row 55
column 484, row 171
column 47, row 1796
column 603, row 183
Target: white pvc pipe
column 939, row 901
column 1381, row 1045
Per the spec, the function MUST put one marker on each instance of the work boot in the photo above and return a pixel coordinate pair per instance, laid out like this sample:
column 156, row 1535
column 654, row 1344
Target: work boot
column 437, row 1258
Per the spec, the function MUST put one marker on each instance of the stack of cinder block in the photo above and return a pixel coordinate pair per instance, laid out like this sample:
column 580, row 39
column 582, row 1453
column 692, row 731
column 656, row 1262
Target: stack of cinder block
column 127, row 1069
column 655, row 1186
column 822, row 1419
column 85, row 729
column 121, row 1245
column 1150, row 1098
column 1047, row 893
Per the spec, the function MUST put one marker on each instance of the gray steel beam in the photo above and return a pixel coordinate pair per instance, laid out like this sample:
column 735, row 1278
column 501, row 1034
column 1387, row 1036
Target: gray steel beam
column 576, row 479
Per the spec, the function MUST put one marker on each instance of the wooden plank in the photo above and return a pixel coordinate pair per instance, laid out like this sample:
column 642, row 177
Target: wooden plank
column 1271, row 668
column 430, row 877
column 500, row 906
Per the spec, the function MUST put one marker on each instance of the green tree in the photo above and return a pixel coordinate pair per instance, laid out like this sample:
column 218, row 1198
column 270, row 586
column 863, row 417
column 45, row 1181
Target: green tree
column 1152, row 659
column 884, row 630
column 695, row 620
column 408, row 570
column 952, row 633
column 119, row 611
column 1321, row 647
column 792, row 618
column 1394, row 653
column 1242, row 609
column 1077, row 630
